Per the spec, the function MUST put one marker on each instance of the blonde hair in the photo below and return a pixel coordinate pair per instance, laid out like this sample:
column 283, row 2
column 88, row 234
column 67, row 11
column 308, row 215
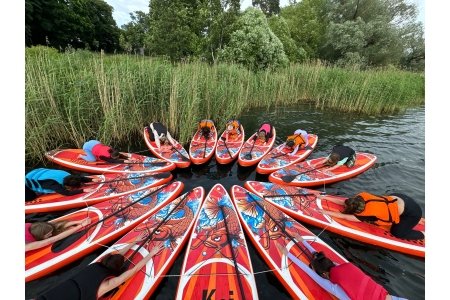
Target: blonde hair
column 40, row 229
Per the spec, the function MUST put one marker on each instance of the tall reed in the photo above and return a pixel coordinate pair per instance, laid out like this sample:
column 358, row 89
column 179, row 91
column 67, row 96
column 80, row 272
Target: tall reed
column 79, row 95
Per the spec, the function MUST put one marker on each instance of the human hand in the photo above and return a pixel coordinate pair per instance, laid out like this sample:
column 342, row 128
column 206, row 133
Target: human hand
column 328, row 172
column 89, row 190
column 85, row 222
column 96, row 180
column 140, row 237
column 282, row 249
column 156, row 249
column 298, row 237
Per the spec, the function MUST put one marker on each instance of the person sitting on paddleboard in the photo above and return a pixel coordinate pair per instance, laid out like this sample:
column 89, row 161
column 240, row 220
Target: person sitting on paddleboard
column 264, row 133
column 159, row 134
column 294, row 142
column 97, row 151
column 344, row 281
column 47, row 181
column 97, row 279
column 232, row 129
column 205, row 127
column 339, row 156
column 41, row 234
column 397, row 210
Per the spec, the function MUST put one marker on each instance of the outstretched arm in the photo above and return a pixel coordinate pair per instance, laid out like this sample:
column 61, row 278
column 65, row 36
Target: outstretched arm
column 331, row 199
column 338, row 215
column 138, row 239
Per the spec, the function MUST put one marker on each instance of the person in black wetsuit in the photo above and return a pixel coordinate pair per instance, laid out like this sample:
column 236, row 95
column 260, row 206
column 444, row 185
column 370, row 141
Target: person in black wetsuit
column 339, row 156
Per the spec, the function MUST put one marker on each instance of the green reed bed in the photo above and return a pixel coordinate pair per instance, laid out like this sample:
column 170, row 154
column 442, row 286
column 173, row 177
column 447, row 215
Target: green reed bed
column 79, row 95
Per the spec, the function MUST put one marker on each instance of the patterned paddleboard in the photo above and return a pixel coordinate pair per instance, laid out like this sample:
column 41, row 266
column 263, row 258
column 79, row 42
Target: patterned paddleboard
column 112, row 185
column 173, row 153
column 171, row 225
column 256, row 149
column 266, row 226
column 144, row 164
column 276, row 159
column 301, row 205
column 110, row 220
column 200, row 149
column 224, row 155
column 217, row 262
column 309, row 176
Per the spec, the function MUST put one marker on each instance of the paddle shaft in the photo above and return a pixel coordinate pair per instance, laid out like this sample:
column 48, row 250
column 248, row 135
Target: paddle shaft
column 157, row 175
column 225, row 143
column 133, row 163
column 292, row 195
column 241, row 289
column 281, row 228
column 204, row 150
column 183, row 158
column 249, row 154
column 290, row 178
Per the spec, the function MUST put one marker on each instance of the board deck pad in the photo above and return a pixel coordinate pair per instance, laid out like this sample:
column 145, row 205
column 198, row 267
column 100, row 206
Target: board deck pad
column 234, row 147
column 216, row 246
column 303, row 208
column 171, row 225
column 310, row 176
column 172, row 153
column 115, row 221
column 266, row 226
column 115, row 185
column 69, row 158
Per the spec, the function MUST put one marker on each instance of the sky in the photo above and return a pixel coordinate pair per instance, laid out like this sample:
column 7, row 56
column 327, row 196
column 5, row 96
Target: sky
column 123, row 8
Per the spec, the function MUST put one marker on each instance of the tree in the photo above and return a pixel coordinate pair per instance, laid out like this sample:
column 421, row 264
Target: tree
column 136, row 32
column 280, row 28
column 254, row 44
column 268, row 7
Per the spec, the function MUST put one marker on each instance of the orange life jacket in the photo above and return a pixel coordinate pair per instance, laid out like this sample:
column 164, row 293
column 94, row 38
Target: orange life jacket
column 297, row 138
column 384, row 208
column 235, row 131
column 204, row 123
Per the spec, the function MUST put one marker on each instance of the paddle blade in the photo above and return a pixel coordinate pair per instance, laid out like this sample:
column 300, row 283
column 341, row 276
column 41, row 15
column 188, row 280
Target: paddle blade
column 307, row 148
column 248, row 156
column 288, row 178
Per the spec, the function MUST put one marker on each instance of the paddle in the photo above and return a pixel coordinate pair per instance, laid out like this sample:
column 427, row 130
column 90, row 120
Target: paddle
column 293, row 195
column 289, row 178
column 156, row 175
column 127, row 263
column 60, row 245
column 248, row 156
column 241, row 289
column 225, row 143
column 134, row 163
column 281, row 227
column 204, row 150
column 183, row 158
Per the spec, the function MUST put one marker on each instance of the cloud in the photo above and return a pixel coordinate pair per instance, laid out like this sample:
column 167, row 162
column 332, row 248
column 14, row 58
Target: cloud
column 123, row 8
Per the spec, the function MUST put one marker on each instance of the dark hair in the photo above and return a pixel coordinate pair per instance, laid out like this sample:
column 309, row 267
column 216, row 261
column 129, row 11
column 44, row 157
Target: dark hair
column 321, row 263
column 206, row 130
column 332, row 160
column 290, row 143
column 114, row 262
column 354, row 205
column 72, row 181
column 39, row 229
column 114, row 153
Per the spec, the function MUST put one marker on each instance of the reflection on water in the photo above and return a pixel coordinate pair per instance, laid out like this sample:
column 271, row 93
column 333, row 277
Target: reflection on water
column 397, row 141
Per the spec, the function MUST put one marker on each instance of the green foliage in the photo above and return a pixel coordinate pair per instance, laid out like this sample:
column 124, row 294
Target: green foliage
column 254, row 45
column 268, row 7
column 280, row 28
column 135, row 33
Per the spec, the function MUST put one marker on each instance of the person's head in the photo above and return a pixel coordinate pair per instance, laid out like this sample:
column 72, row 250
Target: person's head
column 354, row 205
column 114, row 153
column 163, row 139
column 290, row 143
column 72, row 181
column 114, row 262
column 332, row 160
column 322, row 264
column 43, row 230
column 205, row 130
column 230, row 126
column 262, row 135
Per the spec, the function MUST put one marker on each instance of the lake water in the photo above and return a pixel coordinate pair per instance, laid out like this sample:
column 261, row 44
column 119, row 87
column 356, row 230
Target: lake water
column 396, row 140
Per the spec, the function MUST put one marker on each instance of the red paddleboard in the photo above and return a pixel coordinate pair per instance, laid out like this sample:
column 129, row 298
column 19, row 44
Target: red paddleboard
column 224, row 155
column 217, row 262
column 110, row 220
column 171, row 225
column 112, row 186
column 255, row 149
column 301, row 204
column 144, row 164
column 309, row 176
column 276, row 159
column 200, row 149
column 266, row 226
column 173, row 153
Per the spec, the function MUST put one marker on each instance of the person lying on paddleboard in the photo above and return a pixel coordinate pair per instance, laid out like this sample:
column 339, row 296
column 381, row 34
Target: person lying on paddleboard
column 47, row 181
column 398, row 210
column 41, row 234
column 344, row 281
column 232, row 129
column 99, row 278
column 339, row 156
column 294, row 142
column 205, row 127
column 159, row 134
column 264, row 133
column 97, row 151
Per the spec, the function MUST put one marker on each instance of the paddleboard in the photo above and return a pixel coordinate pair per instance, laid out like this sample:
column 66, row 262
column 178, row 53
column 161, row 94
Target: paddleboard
column 217, row 263
column 69, row 158
column 302, row 205
column 276, row 159
column 266, row 226
column 309, row 176
column 110, row 220
column 224, row 155
column 112, row 186
column 171, row 225
column 255, row 149
column 173, row 153
column 200, row 149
